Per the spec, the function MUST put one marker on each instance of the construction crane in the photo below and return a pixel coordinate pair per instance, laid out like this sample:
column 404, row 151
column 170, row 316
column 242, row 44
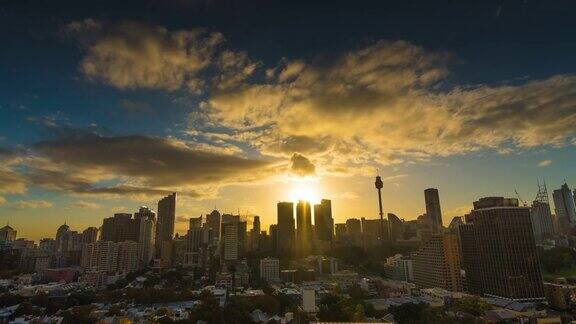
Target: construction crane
column 520, row 198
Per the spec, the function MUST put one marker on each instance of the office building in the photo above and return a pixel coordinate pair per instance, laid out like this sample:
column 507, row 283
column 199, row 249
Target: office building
column 323, row 221
column 437, row 263
column 146, row 222
column 100, row 256
column 433, row 210
column 395, row 227
column 354, row 229
column 213, row 221
column 121, row 227
column 255, row 234
column 166, row 218
column 230, row 244
column 499, row 251
column 128, row 257
column 565, row 208
column 285, row 236
column 270, row 269
column 303, row 227
column 7, row 234
column 195, row 222
column 89, row 235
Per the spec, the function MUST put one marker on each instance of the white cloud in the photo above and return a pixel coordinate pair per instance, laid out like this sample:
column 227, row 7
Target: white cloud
column 544, row 163
column 31, row 204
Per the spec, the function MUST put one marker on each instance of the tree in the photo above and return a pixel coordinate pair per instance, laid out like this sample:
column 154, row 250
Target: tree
column 471, row 305
column 558, row 258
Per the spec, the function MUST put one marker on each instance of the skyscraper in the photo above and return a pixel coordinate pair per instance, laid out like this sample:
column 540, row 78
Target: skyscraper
column 195, row 222
column 90, row 235
column 213, row 221
column 121, row 227
column 7, row 234
column 437, row 263
column 323, row 221
column 285, row 232
column 230, row 237
column 433, row 211
column 145, row 219
column 565, row 207
column 499, row 251
column 304, row 227
column 541, row 215
column 255, row 233
column 395, row 227
column 166, row 218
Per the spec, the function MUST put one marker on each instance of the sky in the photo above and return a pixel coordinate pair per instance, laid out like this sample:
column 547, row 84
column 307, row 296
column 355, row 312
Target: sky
column 109, row 105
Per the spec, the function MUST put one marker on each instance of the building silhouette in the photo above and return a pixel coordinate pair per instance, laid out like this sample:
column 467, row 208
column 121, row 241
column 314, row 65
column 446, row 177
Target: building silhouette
column 564, row 206
column 433, row 210
column 213, row 221
column 285, row 231
column 7, row 234
column 499, row 251
column 541, row 215
column 303, row 227
column 323, row 221
column 166, row 219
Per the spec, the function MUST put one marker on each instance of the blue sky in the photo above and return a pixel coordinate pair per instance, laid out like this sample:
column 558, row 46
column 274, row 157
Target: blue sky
column 237, row 104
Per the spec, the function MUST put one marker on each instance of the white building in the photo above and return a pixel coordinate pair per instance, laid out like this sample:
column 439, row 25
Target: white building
column 309, row 300
column 270, row 269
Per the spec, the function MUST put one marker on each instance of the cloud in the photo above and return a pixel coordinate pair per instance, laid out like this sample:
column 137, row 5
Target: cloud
column 134, row 106
column 181, row 219
column 301, row 165
column 544, row 163
column 31, row 204
column 390, row 103
column 132, row 55
column 132, row 166
column 86, row 205
column 349, row 195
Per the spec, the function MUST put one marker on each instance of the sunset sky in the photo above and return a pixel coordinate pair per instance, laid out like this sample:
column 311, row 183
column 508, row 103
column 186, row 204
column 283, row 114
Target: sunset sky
column 106, row 106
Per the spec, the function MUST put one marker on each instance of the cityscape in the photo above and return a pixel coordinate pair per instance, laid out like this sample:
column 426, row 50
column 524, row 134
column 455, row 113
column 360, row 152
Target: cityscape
column 287, row 162
column 504, row 260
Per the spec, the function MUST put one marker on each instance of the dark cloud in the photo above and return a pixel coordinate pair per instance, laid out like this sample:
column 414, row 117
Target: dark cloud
column 58, row 180
column 157, row 162
column 301, row 165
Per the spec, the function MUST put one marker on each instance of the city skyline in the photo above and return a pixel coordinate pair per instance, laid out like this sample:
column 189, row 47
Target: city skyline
column 245, row 111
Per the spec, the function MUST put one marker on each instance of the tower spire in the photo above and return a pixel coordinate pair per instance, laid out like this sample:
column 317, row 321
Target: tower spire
column 379, row 185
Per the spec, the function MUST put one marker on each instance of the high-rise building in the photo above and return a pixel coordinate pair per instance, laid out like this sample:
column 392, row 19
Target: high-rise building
column 285, row 230
column 47, row 245
column 7, row 234
column 270, row 269
column 371, row 231
column 146, row 222
column 541, row 215
column 437, row 263
column 304, row 227
column 230, row 238
column 323, row 221
column 433, row 210
column 255, row 234
column 121, row 227
column 340, row 232
column 166, row 218
column 395, row 227
column 90, row 235
column 100, row 256
column 565, row 207
column 354, row 229
column 499, row 251
column 128, row 258
column 195, row 222
column 213, row 221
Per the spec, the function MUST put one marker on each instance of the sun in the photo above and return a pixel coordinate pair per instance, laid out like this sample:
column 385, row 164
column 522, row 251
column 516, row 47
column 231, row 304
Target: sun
column 305, row 191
